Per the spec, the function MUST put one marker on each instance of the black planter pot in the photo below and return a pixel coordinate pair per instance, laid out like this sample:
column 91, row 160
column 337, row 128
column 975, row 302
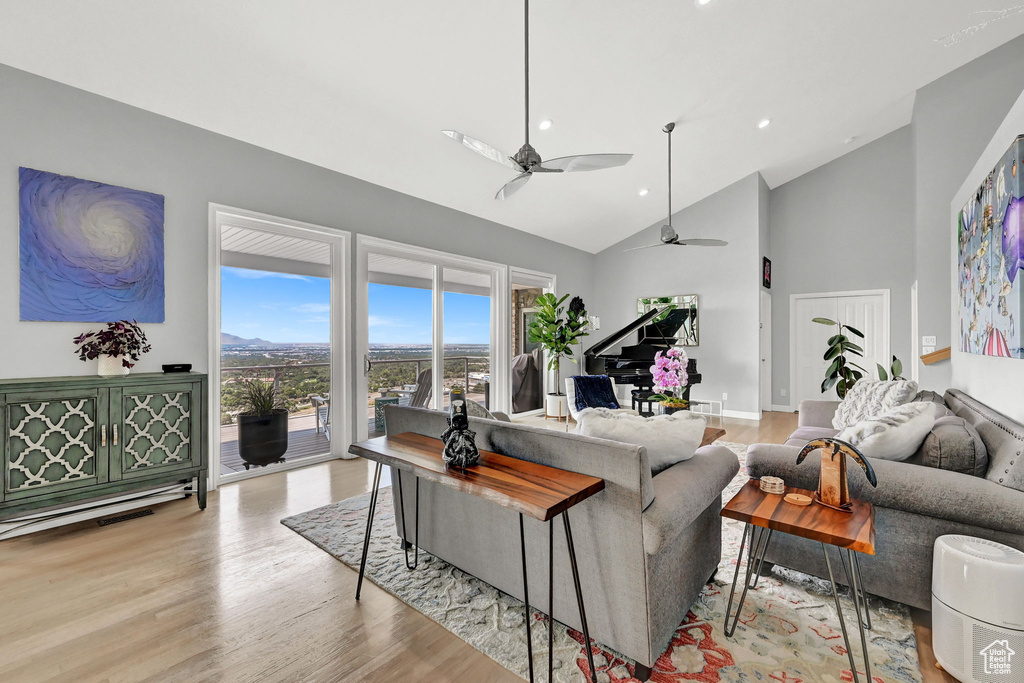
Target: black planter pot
column 263, row 439
column 667, row 410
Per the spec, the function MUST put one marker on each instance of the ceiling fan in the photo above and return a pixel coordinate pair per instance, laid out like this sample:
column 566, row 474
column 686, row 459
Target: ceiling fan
column 669, row 236
column 527, row 161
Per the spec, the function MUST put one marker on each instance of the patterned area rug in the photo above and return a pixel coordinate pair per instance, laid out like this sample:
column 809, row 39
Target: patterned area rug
column 788, row 633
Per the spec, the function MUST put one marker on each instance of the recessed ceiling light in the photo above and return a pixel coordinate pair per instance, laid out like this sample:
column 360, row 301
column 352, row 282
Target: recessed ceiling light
column 764, row 123
column 643, row 191
column 545, row 124
column 703, row 2
column 850, row 139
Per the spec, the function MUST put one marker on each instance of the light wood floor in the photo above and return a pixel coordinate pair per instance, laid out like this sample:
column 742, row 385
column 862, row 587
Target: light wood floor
column 230, row 594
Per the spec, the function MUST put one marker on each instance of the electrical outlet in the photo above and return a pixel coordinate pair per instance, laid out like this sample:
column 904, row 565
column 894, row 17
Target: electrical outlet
column 782, row 392
column 925, row 350
column 725, row 396
column 928, row 341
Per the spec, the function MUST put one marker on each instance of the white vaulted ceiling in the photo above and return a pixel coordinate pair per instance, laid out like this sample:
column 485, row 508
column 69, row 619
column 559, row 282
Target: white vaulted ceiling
column 365, row 88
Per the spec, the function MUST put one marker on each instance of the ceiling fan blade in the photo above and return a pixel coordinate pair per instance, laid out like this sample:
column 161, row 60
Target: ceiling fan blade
column 512, row 186
column 483, row 148
column 585, row 162
column 700, row 242
column 648, row 246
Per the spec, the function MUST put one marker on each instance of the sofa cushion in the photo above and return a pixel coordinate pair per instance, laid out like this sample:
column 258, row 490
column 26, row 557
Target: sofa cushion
column 669, row 439
column 954, row 444
column 929, row 396
column 894, row 435
column 804, row 434
column 868, row 398
column 1003, row 437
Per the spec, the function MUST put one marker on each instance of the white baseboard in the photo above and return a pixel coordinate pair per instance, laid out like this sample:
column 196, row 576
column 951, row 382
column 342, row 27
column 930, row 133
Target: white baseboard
column 85, row 511
column 741, row 414
column 783, row 409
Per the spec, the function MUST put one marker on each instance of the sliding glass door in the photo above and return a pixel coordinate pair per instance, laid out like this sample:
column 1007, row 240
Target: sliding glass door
column 426, row 323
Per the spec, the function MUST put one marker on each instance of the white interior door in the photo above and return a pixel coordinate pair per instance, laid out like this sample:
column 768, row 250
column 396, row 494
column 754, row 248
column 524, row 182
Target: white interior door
column 868, row 312
column 766, row 351
column 809, row 342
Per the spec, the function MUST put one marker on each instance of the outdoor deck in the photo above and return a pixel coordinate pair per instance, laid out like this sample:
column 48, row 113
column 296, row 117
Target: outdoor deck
column 303, row 440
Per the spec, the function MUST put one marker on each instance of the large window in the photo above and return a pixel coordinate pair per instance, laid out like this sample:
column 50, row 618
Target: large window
column 425, row 310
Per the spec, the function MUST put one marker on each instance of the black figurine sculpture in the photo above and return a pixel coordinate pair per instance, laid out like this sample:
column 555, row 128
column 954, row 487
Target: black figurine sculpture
column 459, row 448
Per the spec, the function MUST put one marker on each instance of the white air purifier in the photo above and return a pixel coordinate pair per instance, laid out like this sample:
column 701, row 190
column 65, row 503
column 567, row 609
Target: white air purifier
column 978, row 609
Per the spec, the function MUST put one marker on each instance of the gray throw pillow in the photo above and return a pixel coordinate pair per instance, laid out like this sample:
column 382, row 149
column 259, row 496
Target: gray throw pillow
column 955, row 445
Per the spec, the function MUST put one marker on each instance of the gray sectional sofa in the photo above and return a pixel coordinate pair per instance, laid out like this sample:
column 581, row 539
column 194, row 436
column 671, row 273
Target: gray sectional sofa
column 645, row 545
column 952, row 485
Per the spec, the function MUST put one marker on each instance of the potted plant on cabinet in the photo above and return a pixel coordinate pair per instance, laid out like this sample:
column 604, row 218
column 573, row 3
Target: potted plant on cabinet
column 262, row 425
column 556, row 335
column 118, row 348
column 670, row 378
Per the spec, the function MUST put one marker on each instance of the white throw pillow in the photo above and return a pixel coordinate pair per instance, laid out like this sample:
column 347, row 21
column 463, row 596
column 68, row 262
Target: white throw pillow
column 896, row 435
column 868, row 398
column 668, row 438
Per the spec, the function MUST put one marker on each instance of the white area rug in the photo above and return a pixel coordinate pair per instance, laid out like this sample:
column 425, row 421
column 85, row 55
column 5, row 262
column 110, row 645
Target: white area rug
column 788, row 633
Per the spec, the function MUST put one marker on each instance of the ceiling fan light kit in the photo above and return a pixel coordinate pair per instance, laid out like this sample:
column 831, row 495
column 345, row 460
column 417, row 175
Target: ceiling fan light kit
column 527, row 161
column 669, row 236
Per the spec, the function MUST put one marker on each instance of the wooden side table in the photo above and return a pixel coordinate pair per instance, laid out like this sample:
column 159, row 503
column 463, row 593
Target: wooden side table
column 539, row 491
column 850, row 532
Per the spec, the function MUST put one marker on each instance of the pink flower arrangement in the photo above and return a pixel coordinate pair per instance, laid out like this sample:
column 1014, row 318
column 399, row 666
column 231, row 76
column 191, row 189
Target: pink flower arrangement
column 669, row 371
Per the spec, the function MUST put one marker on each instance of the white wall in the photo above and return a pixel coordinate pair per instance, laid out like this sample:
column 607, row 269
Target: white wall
column 996, row 382
column 53, row 127
column 727, row 280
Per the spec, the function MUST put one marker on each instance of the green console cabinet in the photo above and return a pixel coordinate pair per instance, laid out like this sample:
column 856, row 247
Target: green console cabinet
column 74, row 440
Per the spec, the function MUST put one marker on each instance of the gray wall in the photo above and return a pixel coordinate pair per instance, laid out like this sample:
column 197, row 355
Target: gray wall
column 53, row 127
column 845, row 226
column 955, row 117
column 726, row 279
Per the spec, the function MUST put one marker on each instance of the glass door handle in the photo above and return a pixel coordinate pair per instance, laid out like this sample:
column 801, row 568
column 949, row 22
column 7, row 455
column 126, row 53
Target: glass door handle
column 103, row 435
column 115, row 434
column 366, row 365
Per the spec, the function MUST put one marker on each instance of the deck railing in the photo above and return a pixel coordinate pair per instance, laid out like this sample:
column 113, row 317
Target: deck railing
column 418, row 362
column 278, row 370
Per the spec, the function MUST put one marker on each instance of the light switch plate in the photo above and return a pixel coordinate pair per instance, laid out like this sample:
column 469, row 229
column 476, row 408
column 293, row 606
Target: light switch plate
column 928, row 341
column 782, row 392
column 925, row 350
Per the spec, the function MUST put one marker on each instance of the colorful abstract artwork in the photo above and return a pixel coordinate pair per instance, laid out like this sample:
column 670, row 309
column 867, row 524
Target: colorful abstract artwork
column 90, row 252
column 990, row 234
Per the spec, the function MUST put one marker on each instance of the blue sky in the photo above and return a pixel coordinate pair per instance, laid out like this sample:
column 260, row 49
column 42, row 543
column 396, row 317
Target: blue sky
column 281, row 308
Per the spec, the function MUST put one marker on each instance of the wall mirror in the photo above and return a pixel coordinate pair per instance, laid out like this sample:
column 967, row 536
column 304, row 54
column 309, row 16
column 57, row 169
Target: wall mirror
column 677, row 325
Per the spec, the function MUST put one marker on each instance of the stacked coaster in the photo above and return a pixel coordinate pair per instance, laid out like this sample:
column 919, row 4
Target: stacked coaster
column 773, row 485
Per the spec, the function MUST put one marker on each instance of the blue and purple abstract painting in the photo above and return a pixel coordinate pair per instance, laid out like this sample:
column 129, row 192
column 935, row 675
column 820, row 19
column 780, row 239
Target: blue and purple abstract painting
column 90, row 252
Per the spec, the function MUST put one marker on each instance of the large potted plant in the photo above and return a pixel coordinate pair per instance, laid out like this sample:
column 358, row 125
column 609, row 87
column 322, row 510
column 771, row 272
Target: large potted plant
column 118, row 348
column 843, row 373
column 262, row 425
column 556, row 330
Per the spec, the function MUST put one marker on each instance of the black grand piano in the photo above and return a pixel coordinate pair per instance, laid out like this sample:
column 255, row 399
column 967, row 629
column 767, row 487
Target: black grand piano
column 632, row 365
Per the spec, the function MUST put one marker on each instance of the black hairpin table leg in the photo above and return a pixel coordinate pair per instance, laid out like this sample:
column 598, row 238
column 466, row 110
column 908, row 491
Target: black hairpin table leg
column 759, row 539
column 405, row 537
column 551, row 600
column 526, row 597
column 579, row 595
column 369, row 525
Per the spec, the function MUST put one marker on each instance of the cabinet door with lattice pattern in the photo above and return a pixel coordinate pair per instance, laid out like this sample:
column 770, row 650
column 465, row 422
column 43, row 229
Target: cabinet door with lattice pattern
column 55, row 441
column 159, row 429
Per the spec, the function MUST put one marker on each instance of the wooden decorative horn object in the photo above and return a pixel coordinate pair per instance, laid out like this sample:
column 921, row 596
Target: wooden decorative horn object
column 833, row 491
